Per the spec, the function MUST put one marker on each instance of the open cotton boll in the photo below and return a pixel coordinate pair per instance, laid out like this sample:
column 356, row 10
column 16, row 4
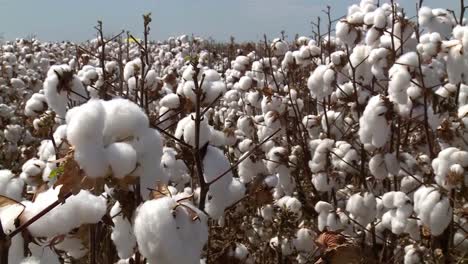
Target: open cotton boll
column 171, row 101
column 440, row 216
column 320, row 149
column 84, row 131
column 448, row 172
column 363, row 208
column 175, row 168
column 122, row 233
column 162, row 229
column 10, row 186
column 304, row 240
column 85, row 124
column 189, row 131
column 60, row 85
column 413, row 254
column 124, row 119
column 320, row 82
column 245, row 83
column 220, row 194
column 35, row 105
column 148, row 146
column 345, row 156
column 31, row 171
column 436, row 20
column 122, row 158
column 83, row 208
column 322, row 182
column 373, row 126
column 132, row 68
column 432, row 209
column 378, row 167
column 456, row 62
column 347, row 32
column 13, row 133
column 93, row 160
column 324, row 209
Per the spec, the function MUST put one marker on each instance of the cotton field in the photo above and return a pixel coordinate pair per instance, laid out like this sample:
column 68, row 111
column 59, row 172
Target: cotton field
column 346, row 146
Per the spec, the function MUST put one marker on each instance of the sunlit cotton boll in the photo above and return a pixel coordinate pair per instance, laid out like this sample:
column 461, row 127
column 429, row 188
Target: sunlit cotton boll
column 83, row 208
column 167, row 233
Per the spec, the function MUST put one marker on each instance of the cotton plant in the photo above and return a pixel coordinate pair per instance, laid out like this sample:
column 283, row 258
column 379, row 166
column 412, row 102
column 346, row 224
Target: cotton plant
column 358, row 133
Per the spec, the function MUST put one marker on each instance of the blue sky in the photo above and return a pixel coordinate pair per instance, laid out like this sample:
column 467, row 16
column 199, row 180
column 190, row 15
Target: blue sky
column 220, row 19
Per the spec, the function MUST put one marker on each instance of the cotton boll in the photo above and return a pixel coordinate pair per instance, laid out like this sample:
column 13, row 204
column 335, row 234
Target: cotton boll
column 440, row 216
column 186, row 129
column 175, row 168
column 13, row 133
column 83, row 208
column 85, row 127
column 149, row 152
column 322, row 182
column 10, row 186
column 31, row 171
column 162, row 229
column 122, row 158
column 60, row 85
column 347, row 32
column 171, row 101
column 35, row 105
column 374, row 128
column 446, row 168
column 413, row 255
column 304, row 240
column 279, row 47
column 245, row 83
column 218, row 197
column 122, row 233
column 321, row 82
column 123, row 119
column 132, row 68
column 377, row 167
column 362, row 208
column 436, row 20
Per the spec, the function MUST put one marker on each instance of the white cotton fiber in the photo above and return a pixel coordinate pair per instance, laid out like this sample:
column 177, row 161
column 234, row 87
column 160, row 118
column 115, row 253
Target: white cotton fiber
column 83, row 208
column 10, row 186
column 122, row 233
column 167, row 233
column 122, row 158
